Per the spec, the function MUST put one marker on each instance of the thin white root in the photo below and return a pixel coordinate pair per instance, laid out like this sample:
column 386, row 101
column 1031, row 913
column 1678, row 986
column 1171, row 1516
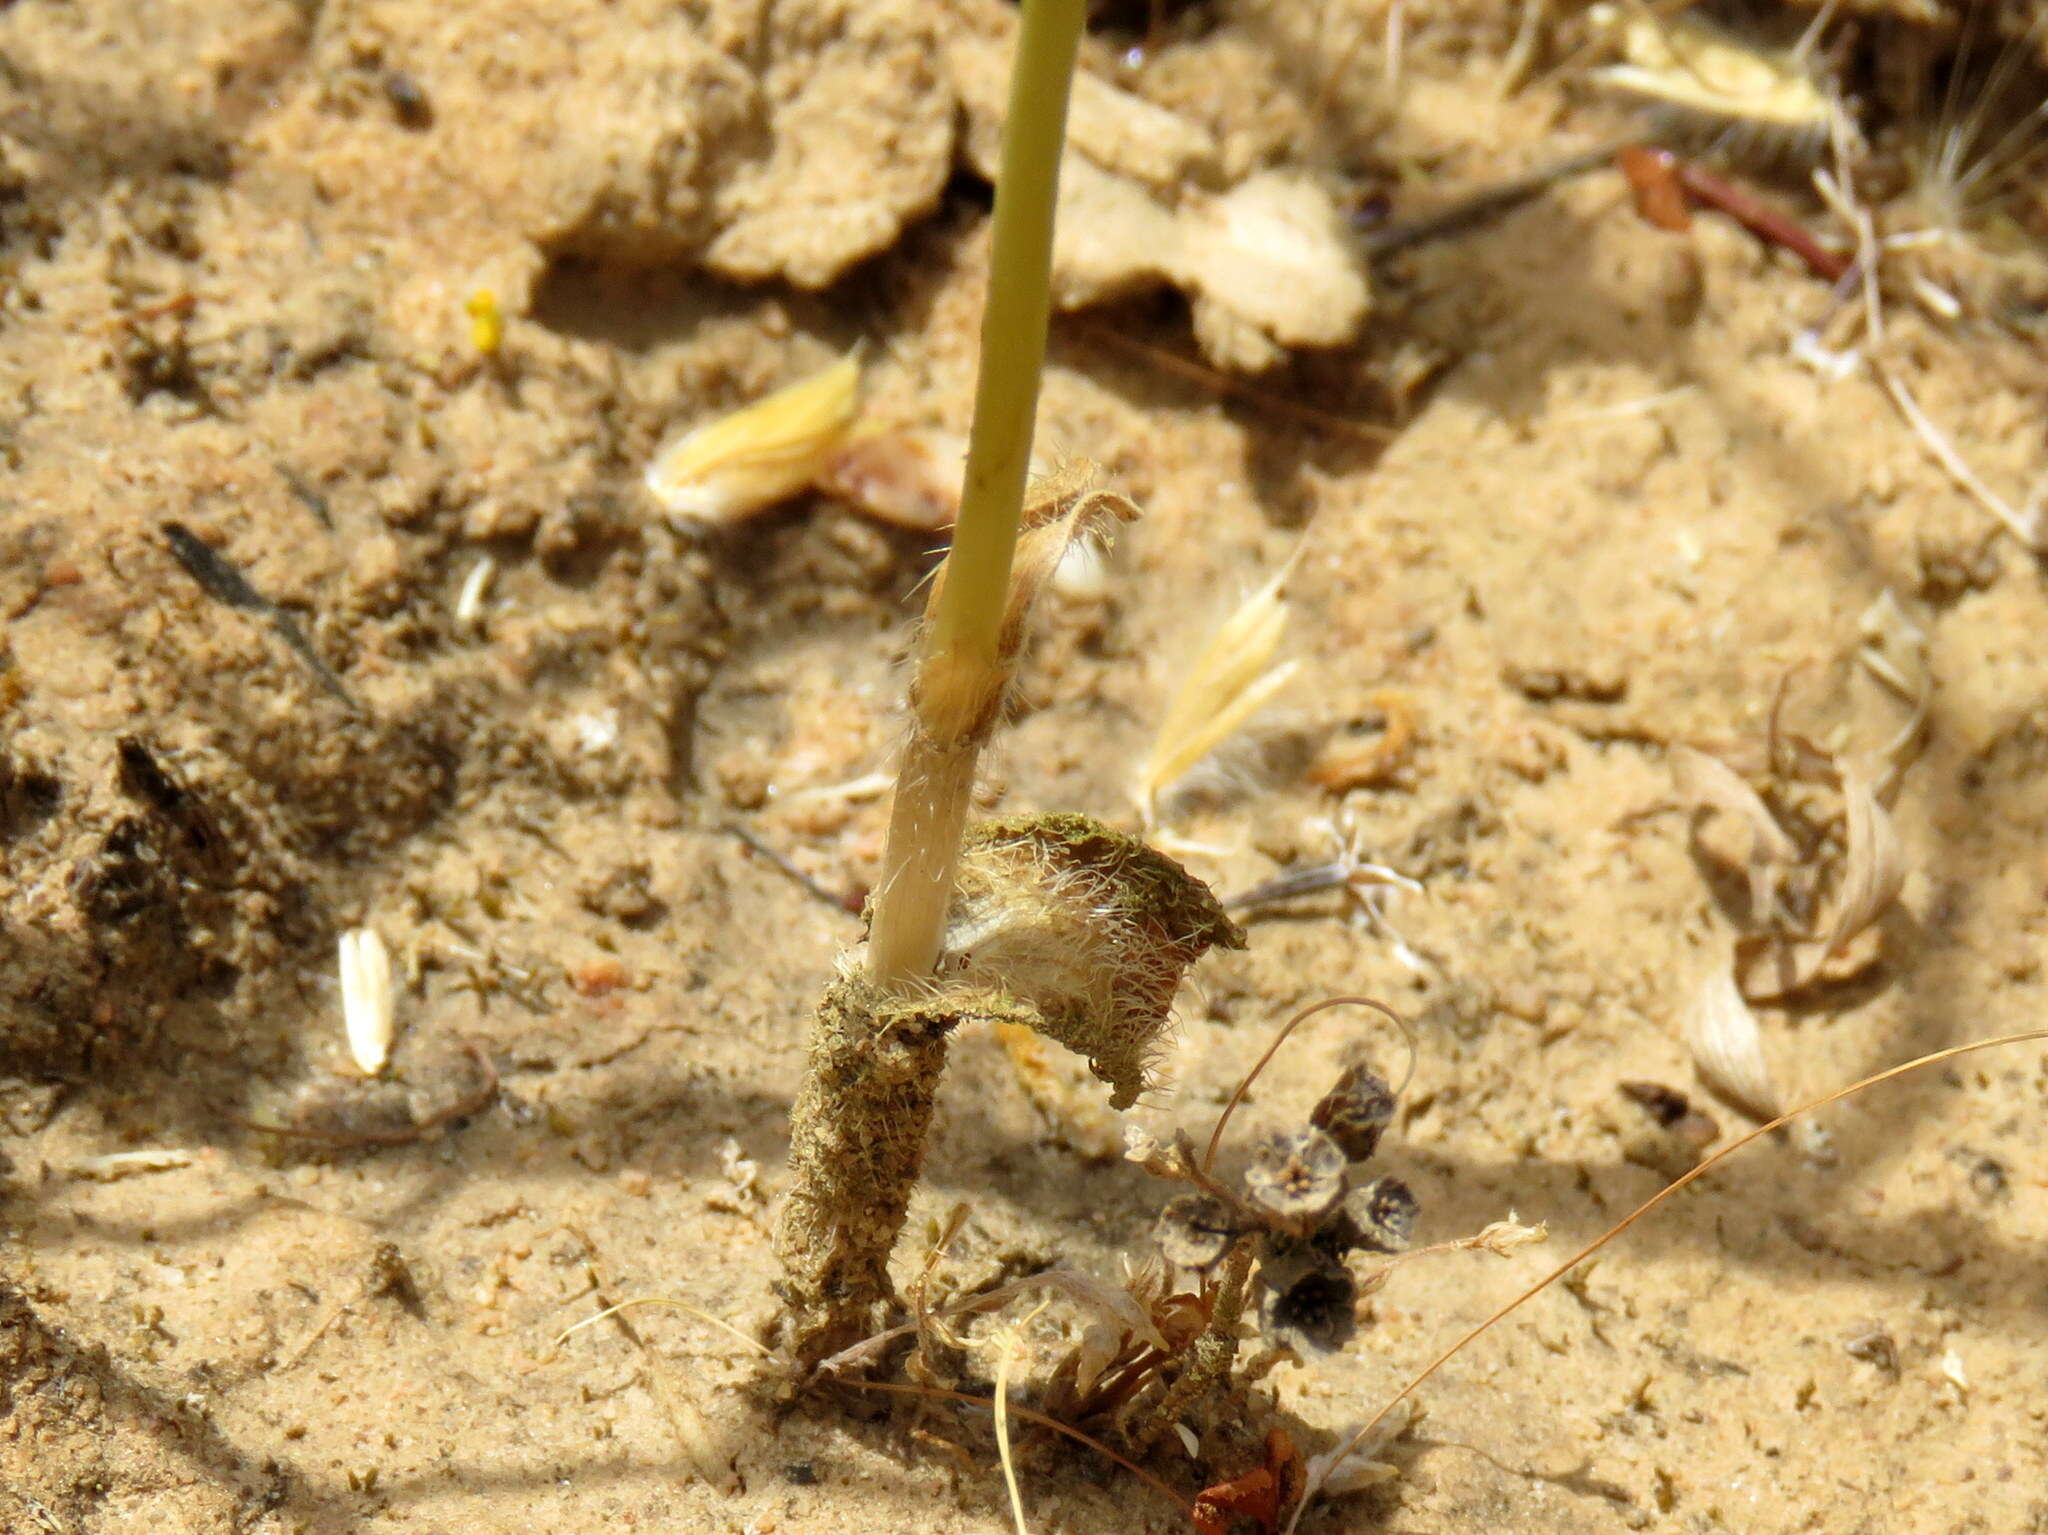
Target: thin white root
column 2025, row 528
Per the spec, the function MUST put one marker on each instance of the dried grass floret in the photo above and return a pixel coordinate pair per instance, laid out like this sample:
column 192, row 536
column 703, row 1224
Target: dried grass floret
column 1707, row 783
column 1808, row 906
column 728, row 469
column 368, row 999
column 1232, row 679
column 1872, row 872
column 1353, row 1463
column 476, row 586
column 1689, row 65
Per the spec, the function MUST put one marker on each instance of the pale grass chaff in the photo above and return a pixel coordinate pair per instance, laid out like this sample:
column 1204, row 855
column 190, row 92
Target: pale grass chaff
column 1233, row 677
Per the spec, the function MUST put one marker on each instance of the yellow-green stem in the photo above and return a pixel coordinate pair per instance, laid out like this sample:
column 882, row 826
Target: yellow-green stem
column 1012, row 333
column 919, row 863
column 960, row 664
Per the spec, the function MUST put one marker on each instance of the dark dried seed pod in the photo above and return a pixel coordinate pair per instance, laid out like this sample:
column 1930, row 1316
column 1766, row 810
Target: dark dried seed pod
column 1666, row 1105
column 1691, row 1131
column 1194, row 1231
column 1299, row 1177
column 1383, row 1213
column 1309, row 1305
column 1356, row 1111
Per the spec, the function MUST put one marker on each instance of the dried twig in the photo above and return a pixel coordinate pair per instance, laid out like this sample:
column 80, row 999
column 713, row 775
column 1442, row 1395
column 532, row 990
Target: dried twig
column 227, row 585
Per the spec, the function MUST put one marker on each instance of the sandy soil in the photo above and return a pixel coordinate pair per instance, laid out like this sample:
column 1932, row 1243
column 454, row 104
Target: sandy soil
column 1613, row 513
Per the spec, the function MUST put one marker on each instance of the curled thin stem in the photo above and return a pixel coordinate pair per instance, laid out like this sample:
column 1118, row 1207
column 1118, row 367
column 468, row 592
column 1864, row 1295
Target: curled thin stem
column 1279, row 1039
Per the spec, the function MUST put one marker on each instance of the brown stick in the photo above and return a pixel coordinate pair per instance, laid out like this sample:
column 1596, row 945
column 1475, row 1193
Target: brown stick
column 1665, row 187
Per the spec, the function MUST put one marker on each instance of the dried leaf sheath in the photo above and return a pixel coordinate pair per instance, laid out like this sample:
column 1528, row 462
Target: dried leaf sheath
column 1061, row 925
column 857, row 1134
column 955, row 705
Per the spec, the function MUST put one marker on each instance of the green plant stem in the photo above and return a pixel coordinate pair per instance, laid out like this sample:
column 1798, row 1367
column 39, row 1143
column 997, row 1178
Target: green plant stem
column 1013, row 332
column 961, row 669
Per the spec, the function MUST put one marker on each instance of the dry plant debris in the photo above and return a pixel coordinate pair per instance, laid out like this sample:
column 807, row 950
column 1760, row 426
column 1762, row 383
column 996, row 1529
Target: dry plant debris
column 1687, row 65
column 226, row 584
column 1059, row 925
column 1672, row 1111
column 1088, row 931
column 347, row 630
column 368, row 998
column 1261, row 1494
column 1666, row 188
column 728, row 470
column 1967, row 219
column 1727, row 1046
column 908, row 477
column 1231, row 680
column 356, row 1112
column 1820, row 876
column 1344, row 763
column 1301, row 1206
column 1267, row 263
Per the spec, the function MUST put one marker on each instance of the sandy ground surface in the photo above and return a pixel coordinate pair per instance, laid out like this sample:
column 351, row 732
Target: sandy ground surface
column 1613, row 513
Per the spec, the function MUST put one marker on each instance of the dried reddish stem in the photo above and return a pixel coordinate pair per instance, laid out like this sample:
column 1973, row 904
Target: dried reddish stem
column 1666, row 188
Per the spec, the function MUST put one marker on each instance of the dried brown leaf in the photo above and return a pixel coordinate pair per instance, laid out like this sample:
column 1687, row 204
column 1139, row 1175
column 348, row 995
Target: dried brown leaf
column 1873, row 872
